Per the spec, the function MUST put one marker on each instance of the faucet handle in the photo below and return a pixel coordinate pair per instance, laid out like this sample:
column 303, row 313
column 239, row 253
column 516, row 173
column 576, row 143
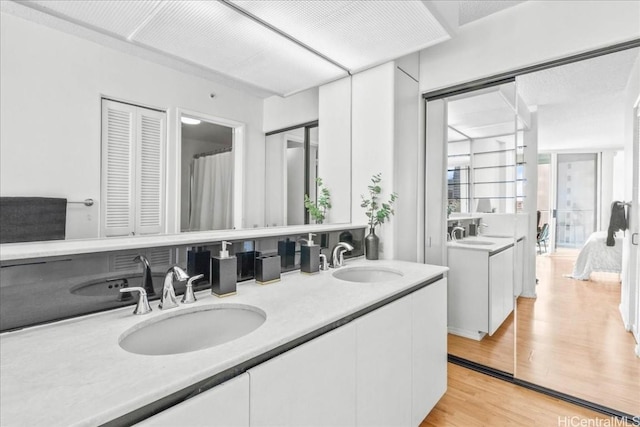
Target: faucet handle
column 189, row 297
column 143, row 306
column 324, row 265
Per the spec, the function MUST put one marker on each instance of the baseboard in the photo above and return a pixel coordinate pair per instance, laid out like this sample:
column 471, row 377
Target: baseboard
column 477, row 336
column 625, row 322
column 526, row 295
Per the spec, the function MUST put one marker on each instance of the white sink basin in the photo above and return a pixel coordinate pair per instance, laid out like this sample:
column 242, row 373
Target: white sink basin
column 367, row 274
column 183, row 331
column 475, row 242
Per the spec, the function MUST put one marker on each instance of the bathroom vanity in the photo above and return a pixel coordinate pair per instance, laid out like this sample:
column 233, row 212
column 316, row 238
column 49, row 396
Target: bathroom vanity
column 360, row 345
column 481, row 285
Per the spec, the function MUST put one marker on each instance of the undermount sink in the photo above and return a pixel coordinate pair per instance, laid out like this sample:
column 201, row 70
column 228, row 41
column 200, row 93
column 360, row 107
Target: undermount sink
column 184, row 331
column 367, row 274
column 475, row 242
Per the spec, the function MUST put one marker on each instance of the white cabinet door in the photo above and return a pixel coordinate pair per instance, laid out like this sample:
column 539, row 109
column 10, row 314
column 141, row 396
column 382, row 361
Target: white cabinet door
column 429, row 348
column 384, row 366
column 500, row 288
column 224, row 405
column 312, row 385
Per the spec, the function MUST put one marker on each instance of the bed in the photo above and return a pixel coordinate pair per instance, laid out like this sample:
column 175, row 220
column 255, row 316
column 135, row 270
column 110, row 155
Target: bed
column 595, row 255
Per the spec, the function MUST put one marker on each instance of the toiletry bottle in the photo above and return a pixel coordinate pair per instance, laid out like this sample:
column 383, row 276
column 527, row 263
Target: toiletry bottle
column 310, row 256
column 223, row 273
column 199, row 262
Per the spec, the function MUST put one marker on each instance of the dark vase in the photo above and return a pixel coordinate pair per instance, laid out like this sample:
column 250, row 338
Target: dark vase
column 371, row 243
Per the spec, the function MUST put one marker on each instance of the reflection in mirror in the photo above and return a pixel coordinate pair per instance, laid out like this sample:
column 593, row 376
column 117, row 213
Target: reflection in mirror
column 209, row 152
column 576, row 335
column 291, row 163
column 481, row 222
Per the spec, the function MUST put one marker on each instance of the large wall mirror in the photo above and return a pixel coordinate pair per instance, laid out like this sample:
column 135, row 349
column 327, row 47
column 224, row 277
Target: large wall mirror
column 291, row 169
column 570, row 155
column 483, row 151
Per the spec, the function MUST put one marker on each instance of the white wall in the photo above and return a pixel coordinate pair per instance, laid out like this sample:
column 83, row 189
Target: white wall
column 373, row 143
column 51, row 84
column 281, row 113
column 334, row 149
column 529, row 33
column 630, row 274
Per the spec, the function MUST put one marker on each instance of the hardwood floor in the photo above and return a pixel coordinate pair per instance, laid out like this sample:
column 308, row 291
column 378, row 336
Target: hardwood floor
column 495, row 351
column 475, row 399
column 571, row 338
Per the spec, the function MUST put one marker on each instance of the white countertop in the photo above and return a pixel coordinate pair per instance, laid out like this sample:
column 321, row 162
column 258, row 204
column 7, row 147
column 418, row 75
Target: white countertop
column 497, row 243
column 74, row 372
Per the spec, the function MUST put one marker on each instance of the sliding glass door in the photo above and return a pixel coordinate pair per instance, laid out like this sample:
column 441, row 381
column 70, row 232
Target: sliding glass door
column 576, row 192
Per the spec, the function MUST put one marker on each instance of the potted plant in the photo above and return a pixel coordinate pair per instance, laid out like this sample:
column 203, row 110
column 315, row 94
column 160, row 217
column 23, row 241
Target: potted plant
column 377, row 213
column 318, row 209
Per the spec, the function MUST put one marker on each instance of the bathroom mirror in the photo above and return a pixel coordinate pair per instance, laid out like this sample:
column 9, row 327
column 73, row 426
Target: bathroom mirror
column 479, row 134
column 209, row 185
column 291, row 169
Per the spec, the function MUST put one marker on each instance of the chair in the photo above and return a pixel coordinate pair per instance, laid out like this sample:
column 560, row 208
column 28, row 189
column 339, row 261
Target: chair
column 543, row 238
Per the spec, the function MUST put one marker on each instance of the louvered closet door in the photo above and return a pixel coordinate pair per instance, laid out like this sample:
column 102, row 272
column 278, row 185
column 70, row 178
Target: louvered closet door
column 149, row 188
column 118, row 141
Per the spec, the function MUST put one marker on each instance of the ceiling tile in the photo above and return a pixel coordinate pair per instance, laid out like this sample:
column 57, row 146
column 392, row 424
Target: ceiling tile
column 215, row 36
column 120, row 17
column 356, row 34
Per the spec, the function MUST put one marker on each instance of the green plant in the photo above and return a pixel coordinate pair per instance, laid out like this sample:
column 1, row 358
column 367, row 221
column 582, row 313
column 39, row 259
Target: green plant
column 318, row 209
column 377, row 212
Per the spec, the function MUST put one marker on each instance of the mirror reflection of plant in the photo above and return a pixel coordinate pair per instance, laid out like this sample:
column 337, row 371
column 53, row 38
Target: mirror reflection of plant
column 318, row 209
column 377, row 212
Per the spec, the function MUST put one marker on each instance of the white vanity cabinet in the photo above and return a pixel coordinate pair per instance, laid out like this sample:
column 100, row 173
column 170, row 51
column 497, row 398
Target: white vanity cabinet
column 224, row 405
column 387, row 367
column 384, row 365
column 312, row 384
column 481, row 290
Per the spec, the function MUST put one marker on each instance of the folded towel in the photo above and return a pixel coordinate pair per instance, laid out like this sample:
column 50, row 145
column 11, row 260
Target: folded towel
column 30, row 219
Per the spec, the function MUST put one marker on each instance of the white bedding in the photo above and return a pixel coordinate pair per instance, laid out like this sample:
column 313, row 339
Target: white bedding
column 595, row 255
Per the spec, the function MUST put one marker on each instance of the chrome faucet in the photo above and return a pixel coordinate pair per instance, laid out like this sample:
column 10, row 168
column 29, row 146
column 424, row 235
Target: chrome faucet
column 143, row 306
column 337, row 255
column 453, row 233
column 168, row 299
column 189, row 297
column 324, row 265
column 147, row 281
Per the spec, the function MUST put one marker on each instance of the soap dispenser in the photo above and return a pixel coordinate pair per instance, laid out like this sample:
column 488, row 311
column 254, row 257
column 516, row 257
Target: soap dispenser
column 223, row 273
column 310, row 256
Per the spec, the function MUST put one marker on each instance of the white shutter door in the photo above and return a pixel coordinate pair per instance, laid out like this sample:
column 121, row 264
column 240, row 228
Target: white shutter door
column 117, row 166
column 150, row 172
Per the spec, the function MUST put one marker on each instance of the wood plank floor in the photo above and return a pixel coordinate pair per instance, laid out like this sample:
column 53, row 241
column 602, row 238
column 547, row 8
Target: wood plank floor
column 475, row 399
column 495, row 351
column 572, row 339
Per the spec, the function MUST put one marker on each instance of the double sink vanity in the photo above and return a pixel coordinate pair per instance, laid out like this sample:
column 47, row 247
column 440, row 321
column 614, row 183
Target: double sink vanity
column 362, row 344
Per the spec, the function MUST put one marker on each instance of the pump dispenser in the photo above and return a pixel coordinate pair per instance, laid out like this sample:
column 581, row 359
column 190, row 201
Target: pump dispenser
column 223, row 273
column 309, row 256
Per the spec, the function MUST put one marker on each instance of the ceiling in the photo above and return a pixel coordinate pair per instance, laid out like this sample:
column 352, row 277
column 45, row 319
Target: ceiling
column 472, row 10
column 280, row 47
column 580, row 105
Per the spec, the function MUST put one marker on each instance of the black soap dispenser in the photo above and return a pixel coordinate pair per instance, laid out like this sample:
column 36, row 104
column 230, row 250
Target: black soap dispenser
column 223, row 273
column 199, row 262
column 310, row 256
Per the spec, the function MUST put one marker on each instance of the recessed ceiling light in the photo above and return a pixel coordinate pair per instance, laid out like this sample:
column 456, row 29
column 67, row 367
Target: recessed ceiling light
column 189, row 121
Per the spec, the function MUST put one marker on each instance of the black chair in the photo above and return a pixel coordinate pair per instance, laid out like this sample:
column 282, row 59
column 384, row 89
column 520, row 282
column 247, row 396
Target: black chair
column 543, row 238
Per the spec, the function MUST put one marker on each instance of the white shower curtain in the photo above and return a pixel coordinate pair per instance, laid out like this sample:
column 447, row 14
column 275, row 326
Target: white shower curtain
column 211, row 192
